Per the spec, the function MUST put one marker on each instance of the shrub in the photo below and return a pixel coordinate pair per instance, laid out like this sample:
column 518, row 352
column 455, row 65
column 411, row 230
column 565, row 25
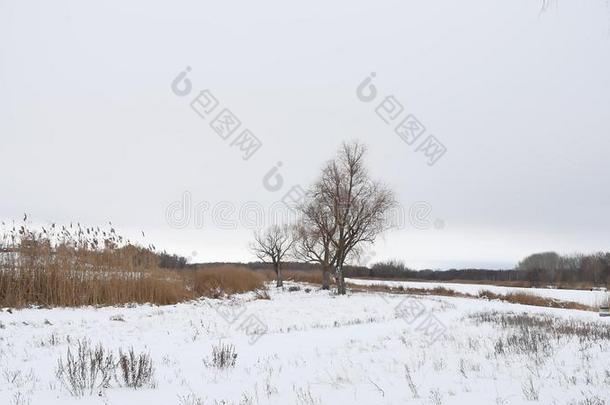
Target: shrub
column 136, row 371
column 87, row 370
column 90, row 369
column 223, row 356
column 262, row 294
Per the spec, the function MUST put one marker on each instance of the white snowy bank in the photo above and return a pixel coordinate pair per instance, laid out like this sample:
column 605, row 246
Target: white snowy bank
column 590, row 298
column 312, row 348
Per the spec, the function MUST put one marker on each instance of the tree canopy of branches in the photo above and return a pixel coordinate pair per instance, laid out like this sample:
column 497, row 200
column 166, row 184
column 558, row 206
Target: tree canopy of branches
column 272, row 245
column 344, row 210
column 313, row 242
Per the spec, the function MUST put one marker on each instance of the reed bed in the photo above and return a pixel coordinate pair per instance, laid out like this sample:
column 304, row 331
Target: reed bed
column 66, row 266
column 223, row 280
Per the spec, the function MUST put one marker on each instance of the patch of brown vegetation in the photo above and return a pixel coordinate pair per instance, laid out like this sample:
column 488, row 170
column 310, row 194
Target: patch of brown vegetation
column 304, row 276
column 535, row 300
column 75, row 266
column 442, row 291
column 225, row 279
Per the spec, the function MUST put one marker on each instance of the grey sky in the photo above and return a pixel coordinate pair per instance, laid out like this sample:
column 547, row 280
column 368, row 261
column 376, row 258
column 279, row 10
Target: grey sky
column 92, row 132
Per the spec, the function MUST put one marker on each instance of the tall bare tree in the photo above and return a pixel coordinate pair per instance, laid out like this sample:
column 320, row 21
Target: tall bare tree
column 350, row 204
column 272, row 245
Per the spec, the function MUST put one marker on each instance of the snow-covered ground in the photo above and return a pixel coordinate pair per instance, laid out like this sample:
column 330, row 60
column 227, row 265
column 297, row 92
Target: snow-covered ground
column 591, row 298
column 315, row 348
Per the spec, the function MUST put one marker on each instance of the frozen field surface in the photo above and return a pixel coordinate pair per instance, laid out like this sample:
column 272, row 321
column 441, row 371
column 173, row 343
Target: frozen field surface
column 591, row 298
column 316, row 348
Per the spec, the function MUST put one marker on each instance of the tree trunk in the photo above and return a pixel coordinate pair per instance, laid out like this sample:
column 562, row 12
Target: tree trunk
column 340, row 281
column 325, row 277
column 278, row 275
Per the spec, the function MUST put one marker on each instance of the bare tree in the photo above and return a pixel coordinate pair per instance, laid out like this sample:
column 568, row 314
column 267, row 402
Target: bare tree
column 351, row 206
column 314, row 246
column 272, row 245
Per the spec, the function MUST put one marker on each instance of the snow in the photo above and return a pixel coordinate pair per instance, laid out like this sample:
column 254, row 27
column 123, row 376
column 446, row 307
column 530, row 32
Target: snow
column 309, row 348
column 586, row 297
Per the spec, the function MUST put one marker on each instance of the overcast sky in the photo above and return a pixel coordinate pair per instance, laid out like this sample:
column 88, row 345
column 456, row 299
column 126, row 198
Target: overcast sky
column 91, row 129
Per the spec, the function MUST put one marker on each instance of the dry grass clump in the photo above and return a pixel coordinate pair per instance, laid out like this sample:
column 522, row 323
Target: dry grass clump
column 539, row 336
column 136, row 370
column 442, row 291
column 87, row 370
column 223, row 356
column 557, row 327
column 262, row 294
column 535, row 300
column 224, row 279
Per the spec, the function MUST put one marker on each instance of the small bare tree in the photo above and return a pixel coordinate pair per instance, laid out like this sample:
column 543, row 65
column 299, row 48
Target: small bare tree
column 272, row 245
column 313, row 243
column 351, row 204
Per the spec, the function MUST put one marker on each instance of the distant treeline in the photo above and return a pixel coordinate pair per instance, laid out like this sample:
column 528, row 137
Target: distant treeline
column 552, row 268
column 260, row 265
column 352, row 271
column 398, row 271
column 540, row 269
column 167, row 261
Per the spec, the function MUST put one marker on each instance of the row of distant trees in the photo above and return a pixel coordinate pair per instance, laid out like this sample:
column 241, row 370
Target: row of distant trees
column 171, row 261
column 553, row 268
column 394, row 269
column 343, row 211
column 539, row 269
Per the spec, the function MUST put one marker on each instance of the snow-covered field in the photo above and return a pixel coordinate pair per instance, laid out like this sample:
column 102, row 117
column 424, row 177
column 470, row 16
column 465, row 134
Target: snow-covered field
column 316, row 348
column 591, row 298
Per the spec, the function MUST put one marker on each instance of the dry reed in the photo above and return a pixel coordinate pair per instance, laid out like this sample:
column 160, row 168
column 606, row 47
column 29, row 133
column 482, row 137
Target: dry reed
column 75, row 265
column 221, row 280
